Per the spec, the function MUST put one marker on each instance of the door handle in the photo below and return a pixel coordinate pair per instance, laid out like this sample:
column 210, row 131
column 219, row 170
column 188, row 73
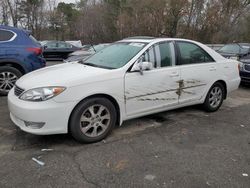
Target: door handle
column 174, row 74
column 212, row 69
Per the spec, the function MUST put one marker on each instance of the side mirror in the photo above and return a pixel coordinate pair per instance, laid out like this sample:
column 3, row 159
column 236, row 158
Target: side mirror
column 142, row 66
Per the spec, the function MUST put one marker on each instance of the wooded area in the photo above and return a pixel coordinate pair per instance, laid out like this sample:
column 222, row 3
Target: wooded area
column 97, row 21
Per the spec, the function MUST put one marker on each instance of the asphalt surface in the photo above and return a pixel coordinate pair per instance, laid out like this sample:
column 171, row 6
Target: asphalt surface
column 180, row 148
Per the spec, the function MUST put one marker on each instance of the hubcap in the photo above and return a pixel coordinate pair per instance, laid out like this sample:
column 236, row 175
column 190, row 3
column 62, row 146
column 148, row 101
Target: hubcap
column 7, row 81
column 215, row 97
column 95, row 120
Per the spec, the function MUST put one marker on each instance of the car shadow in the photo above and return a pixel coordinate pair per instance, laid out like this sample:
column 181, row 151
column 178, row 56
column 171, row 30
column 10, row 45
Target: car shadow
column 25, row 140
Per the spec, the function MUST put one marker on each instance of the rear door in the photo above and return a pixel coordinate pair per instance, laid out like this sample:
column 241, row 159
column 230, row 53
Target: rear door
column 156, row 88
column 198, row 71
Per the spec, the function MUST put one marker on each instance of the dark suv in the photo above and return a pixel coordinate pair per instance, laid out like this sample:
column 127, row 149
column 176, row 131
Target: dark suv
column 20, row 53
column 240, row 52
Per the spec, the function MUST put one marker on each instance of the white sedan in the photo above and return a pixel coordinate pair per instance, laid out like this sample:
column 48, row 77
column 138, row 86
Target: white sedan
column 131, row 78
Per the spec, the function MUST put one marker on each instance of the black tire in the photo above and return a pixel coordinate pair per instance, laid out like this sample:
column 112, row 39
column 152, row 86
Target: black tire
column 76, row 125
column 207, row 104
column 3, row 71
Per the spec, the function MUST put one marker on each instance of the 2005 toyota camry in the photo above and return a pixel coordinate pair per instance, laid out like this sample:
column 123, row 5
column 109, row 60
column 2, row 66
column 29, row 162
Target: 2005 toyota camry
column 128, row 79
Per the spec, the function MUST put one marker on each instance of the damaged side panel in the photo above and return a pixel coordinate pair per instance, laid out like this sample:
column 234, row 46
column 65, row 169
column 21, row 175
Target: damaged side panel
column 196, row 80
column 153, row 90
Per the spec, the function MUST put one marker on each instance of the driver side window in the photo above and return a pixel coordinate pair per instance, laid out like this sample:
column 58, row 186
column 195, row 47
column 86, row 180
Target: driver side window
column 160, row 55
column 148, row 56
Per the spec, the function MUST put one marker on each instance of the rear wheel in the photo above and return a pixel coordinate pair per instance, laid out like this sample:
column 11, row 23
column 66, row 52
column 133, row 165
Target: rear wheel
column 92, row 120
column 8, row 77
column 214, row 97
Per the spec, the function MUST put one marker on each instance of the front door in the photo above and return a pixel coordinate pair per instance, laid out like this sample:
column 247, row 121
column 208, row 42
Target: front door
column 154, row 89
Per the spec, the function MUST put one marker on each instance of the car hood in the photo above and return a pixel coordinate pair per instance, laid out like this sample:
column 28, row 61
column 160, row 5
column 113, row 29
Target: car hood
column 66, row 74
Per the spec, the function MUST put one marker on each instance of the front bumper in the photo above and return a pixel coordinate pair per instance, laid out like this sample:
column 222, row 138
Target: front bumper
column 55, row 115
column 245, row 76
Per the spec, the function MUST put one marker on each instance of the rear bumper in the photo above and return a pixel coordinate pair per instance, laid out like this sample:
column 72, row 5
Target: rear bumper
column 233, row 84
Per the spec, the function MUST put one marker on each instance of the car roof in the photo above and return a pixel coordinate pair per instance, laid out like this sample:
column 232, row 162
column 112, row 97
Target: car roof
column 144, row 39
column 154, row 39
column 46, row 41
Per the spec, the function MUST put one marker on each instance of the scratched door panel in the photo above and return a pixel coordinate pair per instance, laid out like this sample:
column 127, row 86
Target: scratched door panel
column 155, row 89
column 196, row 80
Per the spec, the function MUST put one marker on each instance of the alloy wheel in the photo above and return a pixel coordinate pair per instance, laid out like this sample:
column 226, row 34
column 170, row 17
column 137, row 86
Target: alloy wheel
column 215, row 97
column 7, row 81
column 95, row 120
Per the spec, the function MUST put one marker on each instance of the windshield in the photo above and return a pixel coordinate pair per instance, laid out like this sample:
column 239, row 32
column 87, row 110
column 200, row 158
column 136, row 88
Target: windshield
column 234, row 49
column 115, row 55
column 97, row 48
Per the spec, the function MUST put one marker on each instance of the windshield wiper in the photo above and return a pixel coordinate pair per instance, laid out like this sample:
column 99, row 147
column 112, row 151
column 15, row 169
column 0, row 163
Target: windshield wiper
column 91, row 64
column 94, row 65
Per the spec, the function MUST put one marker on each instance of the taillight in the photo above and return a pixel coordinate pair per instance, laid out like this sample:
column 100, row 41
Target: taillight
column 37, row 51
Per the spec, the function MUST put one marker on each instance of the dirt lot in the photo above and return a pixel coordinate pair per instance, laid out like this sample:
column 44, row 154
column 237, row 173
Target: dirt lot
column 181, row 148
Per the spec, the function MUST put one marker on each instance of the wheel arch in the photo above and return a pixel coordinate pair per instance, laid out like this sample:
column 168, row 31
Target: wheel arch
column 13, row 64
column 101, row 95
column 224, row 85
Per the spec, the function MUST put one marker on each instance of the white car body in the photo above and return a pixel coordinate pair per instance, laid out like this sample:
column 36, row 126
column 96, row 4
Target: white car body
column 135, row 95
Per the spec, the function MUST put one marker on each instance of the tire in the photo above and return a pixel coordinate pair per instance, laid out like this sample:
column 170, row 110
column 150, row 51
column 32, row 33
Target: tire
column 8, row 77
column 214, row 98
column 92, row 120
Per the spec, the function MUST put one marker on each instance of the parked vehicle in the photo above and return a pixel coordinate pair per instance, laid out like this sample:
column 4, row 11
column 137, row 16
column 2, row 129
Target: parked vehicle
column 215, row 47
column 128, row 79
column 241, row 52
column 20, row 53
column 235, row 50
column 83, row 54
column 58, row 50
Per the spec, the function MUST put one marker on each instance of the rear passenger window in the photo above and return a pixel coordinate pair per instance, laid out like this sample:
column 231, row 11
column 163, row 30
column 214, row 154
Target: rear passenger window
column 192, row 54
column 5, row 35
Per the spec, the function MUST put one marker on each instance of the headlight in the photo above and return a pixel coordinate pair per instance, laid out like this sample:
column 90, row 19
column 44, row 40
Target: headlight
column 41, row 94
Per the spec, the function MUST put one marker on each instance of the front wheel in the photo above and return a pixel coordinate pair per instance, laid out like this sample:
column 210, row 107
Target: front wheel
column 8, row 77
column 215, row 97
column 92, row 120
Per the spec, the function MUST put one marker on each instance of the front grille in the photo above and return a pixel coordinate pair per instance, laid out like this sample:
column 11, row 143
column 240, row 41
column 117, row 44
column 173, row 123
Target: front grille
column 18, row 91
column 247, row 67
